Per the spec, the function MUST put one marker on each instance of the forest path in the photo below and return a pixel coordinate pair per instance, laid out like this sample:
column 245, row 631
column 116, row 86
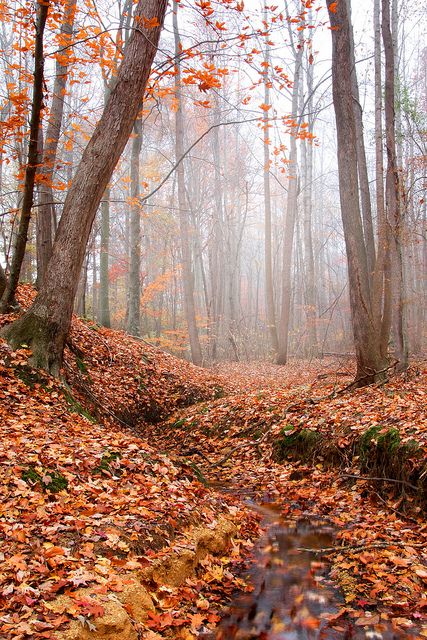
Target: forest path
column 375, row 553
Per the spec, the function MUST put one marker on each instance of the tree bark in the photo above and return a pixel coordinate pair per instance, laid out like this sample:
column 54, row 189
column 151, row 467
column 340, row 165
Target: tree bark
column 187, row 275
column 104, row 261
column 46, row 324
column 370, row 363
column 394, row 195
column 2, row 280
column 381, row 293
column 362, row 167
column 310, row 288
column 8, row 296
column 46, row 209
column 134, row 316
column 291, row 212
column 269, row 289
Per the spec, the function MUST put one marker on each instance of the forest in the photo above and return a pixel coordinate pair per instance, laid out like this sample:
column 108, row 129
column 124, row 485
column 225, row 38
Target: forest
column 213, row 306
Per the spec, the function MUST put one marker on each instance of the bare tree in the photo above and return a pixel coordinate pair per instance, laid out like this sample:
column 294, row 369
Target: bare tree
column 291, row 212
column 46, row 209
column 394, row 205
column 269, row 290
column 371, row 363
column 187, row 275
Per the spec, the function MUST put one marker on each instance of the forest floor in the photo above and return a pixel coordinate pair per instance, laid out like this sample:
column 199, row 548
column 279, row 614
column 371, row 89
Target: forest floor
column 122, row 502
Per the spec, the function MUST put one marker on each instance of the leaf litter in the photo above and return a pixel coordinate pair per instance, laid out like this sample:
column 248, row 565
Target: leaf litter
column 101, row 476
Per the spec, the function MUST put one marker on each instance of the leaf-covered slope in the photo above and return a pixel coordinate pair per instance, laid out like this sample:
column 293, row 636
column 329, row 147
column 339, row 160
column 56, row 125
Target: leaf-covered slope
column 123, row 379
column 85, row 504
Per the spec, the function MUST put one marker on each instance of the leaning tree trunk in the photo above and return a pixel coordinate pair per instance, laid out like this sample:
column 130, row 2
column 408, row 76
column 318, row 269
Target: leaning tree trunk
column 46, row 324
column 8, row 296
column 46, row 209
column 394, row 195
column 370, row 363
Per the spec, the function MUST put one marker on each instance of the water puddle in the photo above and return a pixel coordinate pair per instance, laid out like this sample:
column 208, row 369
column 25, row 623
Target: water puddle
column 293, row 597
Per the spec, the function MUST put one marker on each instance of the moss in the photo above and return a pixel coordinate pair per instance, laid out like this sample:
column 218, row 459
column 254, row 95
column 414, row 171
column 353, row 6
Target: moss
column 218, row 393
column 179, row 423
column 48, row 479
column 384, row 455
column 105, row 465
column 366, row 439
column 81, row 365
column 301, row 444
column 198, row 473
column 30, row 377
column 75, row 406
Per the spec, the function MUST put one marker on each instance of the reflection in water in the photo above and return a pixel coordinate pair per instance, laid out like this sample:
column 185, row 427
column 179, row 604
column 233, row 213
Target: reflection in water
column 292, row 597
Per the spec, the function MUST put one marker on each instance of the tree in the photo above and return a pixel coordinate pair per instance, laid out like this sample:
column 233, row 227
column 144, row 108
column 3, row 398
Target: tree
column 46, row 209
column 371, row 362
column 269, row 289
column 394, row 193
column 46, row 324
column 187, row 275
column 291, row 211
column 8, row 296
column 134, row 315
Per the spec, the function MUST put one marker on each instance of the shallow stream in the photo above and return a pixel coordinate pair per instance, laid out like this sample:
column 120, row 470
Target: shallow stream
column 293, row 598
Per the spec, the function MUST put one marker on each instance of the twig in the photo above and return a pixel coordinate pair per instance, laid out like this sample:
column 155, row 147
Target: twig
column 95, row 400
column 399, row 513
column 197, row 452
column 395, row 480
column 374, row 372
column 252, row 443
column 357, row 547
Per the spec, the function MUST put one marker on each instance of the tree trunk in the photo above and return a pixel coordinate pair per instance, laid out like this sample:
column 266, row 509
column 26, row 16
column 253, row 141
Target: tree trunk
column 46, row 209
column 310, row 288
column 269, row 289
column 8, row 296
column 104, row 261
column 187, row 275
column 393, row 195
column 380, row 286
column 291, row 212
column 2, row 280
column 134, row 316
column 46, row 324
column 362, row 167
column 370, row 363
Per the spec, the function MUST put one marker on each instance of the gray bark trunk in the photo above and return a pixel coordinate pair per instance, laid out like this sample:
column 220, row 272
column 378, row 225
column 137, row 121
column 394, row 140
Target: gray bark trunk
column 187, row 275
column 291, row 212
column 370, row 363
column 394, row 195
column 104, row 261
column 362, row 168
column 8, row 296
column 46, row 209
column 269, row 289
column 134, row 316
